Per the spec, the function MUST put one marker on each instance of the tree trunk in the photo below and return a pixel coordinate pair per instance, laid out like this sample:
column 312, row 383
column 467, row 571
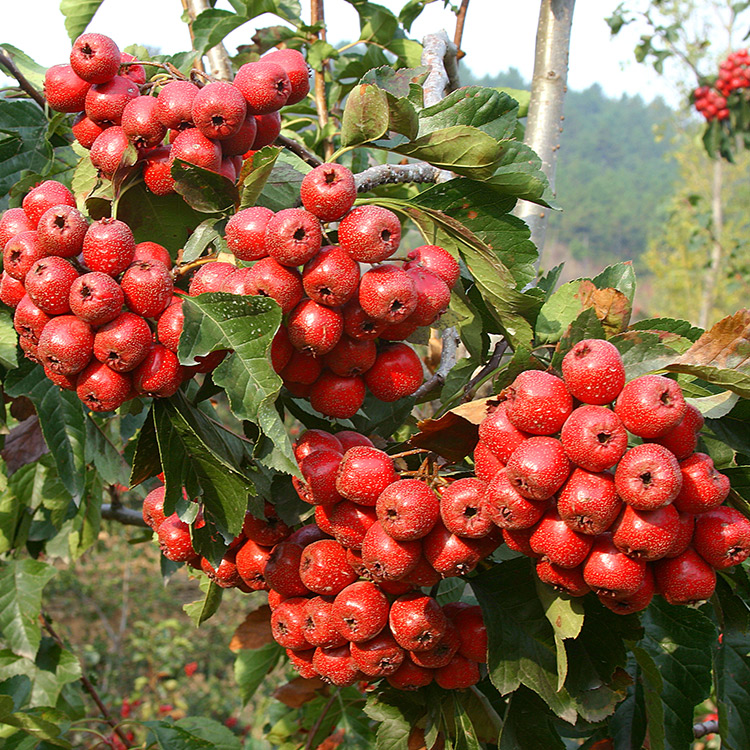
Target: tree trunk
column 218, row 58
column 548, row 87
column 714, row 268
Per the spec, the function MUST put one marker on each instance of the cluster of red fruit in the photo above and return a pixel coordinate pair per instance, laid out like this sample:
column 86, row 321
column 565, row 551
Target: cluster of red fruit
column 211, row 126
column 623, row 523
column 89, row 331
column 326, row 349
column 734, row 75
column 370, row 525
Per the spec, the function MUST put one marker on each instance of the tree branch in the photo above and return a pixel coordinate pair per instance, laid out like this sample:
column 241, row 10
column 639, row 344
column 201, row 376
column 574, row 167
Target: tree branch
column 460, row 21
column 317, row 15
column 297, row 148
column 123, row 515
column 492, row 365
column 439, row 55
column 218, row 57
column 704, row 728
column 391, row 174
column 448, row 357
column 7, row 63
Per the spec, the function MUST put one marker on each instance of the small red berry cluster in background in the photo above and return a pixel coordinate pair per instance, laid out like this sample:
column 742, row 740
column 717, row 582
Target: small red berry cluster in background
column 734, row 75
column 326, row 349
column 82, row 295
column 623, row 523
column 710, row 103
column 210, row 125
column 345, row 591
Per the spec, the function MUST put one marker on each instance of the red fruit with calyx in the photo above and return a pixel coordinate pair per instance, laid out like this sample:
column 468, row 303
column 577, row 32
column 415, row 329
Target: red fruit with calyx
column 436, row 259
column 86, row 131
column 30, row 349
column 319, row 474
column 135, row 73
column 43, row 197
column 610, row 572
column 29, row 320
column 648, row 477
column 175, row 104
column 440, row 654
column 682, row 439
column 288, row 623
column 96, row 298
column 650, row 406
column 270, row 279
column 635, row 602
column 336, row 666
column 225, row 575
column 147, row 286
column 268, row 127
column 499, row 435
column 417, row 622
column 370, row 234
column 246, row 233
column 319, row 626
column 588, row 502
column 433, row 296
column 557, row 542
column 646, row 534
column 314, row 329
column 464, row 509
column 302, row 370
column 174, row 540
column 20, row 254
column 61, row 230
column 141, row 123
column 458, row 674
column 507, row 508
column 594, row 438
column 106, row 102
column 302, row 661
column 593, row 371
column 101, row 388
column 359, row 325
column 397, row 373
column 12, row 291
column 346, row 521
column 268, row 530
column 538, row 467
column 684, row 537
column 364, row 474
column 251, row 561
column 296, row 68
column 282, row 570
column 538, row 402
column 48, row 284
column 328, row 191
column 387, row 293
column 108, row 246
column 385, row 557
column 95, row 58
column 351, row 357
column 66, row 344
column 159, row 373
column 703, row 488
column 293, row 236
column 378, row 657
column 565, row 580
column 323, row 568
column 315, row 440
column 218, row 110
column 486, row 463
column 64, row 90
column 209, row 278
column 360, row 611
column 407, row 509
column 451, row 555
column 722, row 537
column 123, row 343
column 331, row 277
column 265, row 86
column 157, row 173
column 108, row 152
column 13, row 222
column 409, row 676
column 194, row 148
column 337, row 397
column 153, row 508
column 152, row 251
column 685, row 579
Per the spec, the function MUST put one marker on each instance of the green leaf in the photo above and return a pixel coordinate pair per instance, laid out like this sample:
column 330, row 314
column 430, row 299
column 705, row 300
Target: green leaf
column 466, row 736
column 203, row 237
column 528, row 724
column 146, row 460
column 205, row 191
column 680, row 327
column 254, row 181
column 78, row 15
column 208, row 729
column 319, row 52
column 61, row 418
column 627, row 726
column 247, row 326
column 41, row 723
column 252, row 665
column 8, row 342
column 395, row 82
column 646, row 351
column 31, row 70
column 21, row 584
column 620, row 276
column 365, row 115
column 281, row 189
column 199, row 611
column 519, row 173
column 586, row 326
column 732, row 428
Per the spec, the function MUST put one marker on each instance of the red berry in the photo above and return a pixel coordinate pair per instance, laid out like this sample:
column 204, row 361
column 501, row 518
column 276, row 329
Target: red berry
column 66, row 344
column 209, row 278
column 108, row 246
column 588, row 502
column 651, row 405
column 335, row 665
column 123, row 343
column 594, row 438
column 378, row 657
column 397, row 373
column 682, row 439
column 282, row 570
column 313, row 328
column 48, row 283
column 464, row 508
column 147, row 286
column 141, row 123
column 328, row 191
column 159, row 373
column 593, row 371
column 337, row 397
column 45, row 196
column 436, row 259
column 270, row 279
column 12, row 290
column 722, row 537
column 315, row 440
column 13, row 222
column 86, row 131
column 246, row 233
column 194, row 148
column 685, row 579
column 451, row 555
column 225, row 575
column 433, row 296
column 319, row 472
column 364, row 473
column 351, row 357
column 459, row 673
column 152, row 251
column 358, row 325
column 388, row 559
column 703, row 488
column 219, row 110
column 265, row 86
column 29, row 320
column 243, row 140
column 20, row 254
column 268, row 530
column 538, row 467
column 565, row 580
column 370, row 234
column 331, row 277
column 95, row 58
column 486, row 463
column 611, row 573
column 61, row 231
column 106, row 102
column 96, row 298
column 648, row 477
column 387, row 293
column 407, row 509
column 297, row 70
column 538, row 402
column 157, row 172
column 287, row 623
column 441, row 654
column 319, row 626
column 646, row 534
column 557, row 542
column 268, row 127
column 64, row 90
column 323, row 568
column 360, row 611
column 635, row 602
column 498, row 434
column 153, row 508
column 509, row 509
column 174, row 104
column 108, row 152
column 251, row 560
column 174, row 539
column 103, row 389
column 417, row 622
column 409, row 676
column 293, row 237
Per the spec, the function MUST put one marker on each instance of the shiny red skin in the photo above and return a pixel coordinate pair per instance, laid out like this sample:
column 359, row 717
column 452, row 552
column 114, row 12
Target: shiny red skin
column 400, row 331
column 472, row 633
column 29, row 320
column 246, row 233
column 225, row 575
column 281, row 350
column 268, row 530
column 106, row 102
column 685, row 579
column 347, row 522
column 336, row 666
column 313, row 328
column 650, row 406
column 359, row 325
column 684, row 534
column 302, row 662
column 417, row 622
column 323, row 568
column 209, row 278
column 593, row 371
column 635, row 602
column 218, row 110
column 440, row 654
column 722, row 537
column 64, row 90
column 141, row 123
column 268, row 127
column 436, row 259
column 251, row 561
column 507, row 508
column 351, row 439
column 387, row 293
column 153, row 508
column 13, row 222
column 42, row 197
column 703, row 488
column 296, row 68
column 135, row 73
column 319, row 626
column 61, row 230
column 388, row 559
column 451, row 555
column 409, row 676
column 95, row 58
column 12, row 291
column 86, row 131
column 159, row 373
column 152, row 251
column 565, row 580
column 265, row 86
column 538, row 402
column 30, row 349
column 242, row 141
column 588, row 502
column 123, row 343
column 594, row 438
column 314, row 440
column 302, row 370
column 351, row 357
column 282, row 570
column 66, row 344
column 486, row 463
column 287, row 623
column 157, row 171
column 464, row 509
column 270, row 279
column 538, row 467
column 611, row 573
column 328, row 191
column 174, row 539
column 648, row 477
column 421, row 575
column 458, row 674
column 108, row 151
column 103, row 389
column 364, row 473
column 147, row 286
column 557, row 542
column 175, row 103
column 193, row 147
column 682, row 439
column 433, row 296
column 397, row 373
column 68, row 382
column 319, row 471
column 407, row 509
column 48, row 283
column 108, row 246
column 360, row 611
column 378, row 657
column 331, row 277
column 96, row 298
column 370, row 234
column 646, row 534
column 20, row 254
column 499, row 435
column 293, row 237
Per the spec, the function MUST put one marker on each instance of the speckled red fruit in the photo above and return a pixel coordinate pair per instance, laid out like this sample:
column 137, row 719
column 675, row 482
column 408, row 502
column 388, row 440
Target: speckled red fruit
column 313, row 328
column 331, row 277
column 108, row 151
column 328, row 191
column 417, row 622
column 282, row 570
column 30, row 349
column 360, row 611
column 147, row 286
column 95, row 58
column 246, row 233
column 588, row 502
column 153, row 508
column 370, row 234
column 722, row 537
column 159, row 373
column 66, row 344
column 359, row 325
column 682, row 439
column 386, row 558
column 108, row 246
column 218, row 110
column 296, row 68
column 20, row 254
column 29, row 320
column 281, row 350
column 684, row 536
column 251, row 560
column 464, row 509
column 323, row 568
column 703, row 488
column 193, row 147
column 225, row 575
column 157, row 172
column 646, row 534
column 433, row 296
column 135, row 73
column 319, row 470
column 348, row 522
column 610, row 572
column 105, row 102
column 336, row 396
column 96, row 298
column 13, row 222
column 48, row 284
column 42, row 197
column 451, row 555
column 86, row 131
column 407, row 509
column 387, row 293
column 565, row 580
column 319, row 627
column 685, row 579
column 12, row 291
column 242, row 141
column 270, row 279
column 378, row 657
column 594, row 438
column 498, row 434
column 557, row 542
column 152, row 251
column 268, row 127
column 351, row 357
column 593, row 371
column 102, row 389
column 651, row 405
column 352, row 439
column 302, row 370
column 538, row 402
column 64, row 90
column 440, row 654
column 210, row 277
column 293, row 237
column 174, row 540
column 486, row 463
column 336, row 666
column 648, row 477
column 397, row 373
column 175, row 103
column 364, row 473
column 61, row 230
column 287, row 623
column 315, row 440
column 507, row 508
column 265, row 86
column 409, row 676
column 141, row 122
column 635, row 602
column 538, row 467
column 399, row 331
column 301, row 660
column 458, row 674
column 436, row 259
column 123, row 343
column 268, row 530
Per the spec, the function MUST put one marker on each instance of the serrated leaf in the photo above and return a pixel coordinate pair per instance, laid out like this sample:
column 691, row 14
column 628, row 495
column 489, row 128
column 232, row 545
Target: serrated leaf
column 32, row 71
column 620, row 276
column 320, row 51
column 396, row 82
column 646, row 351
column 43, row 724
column 204, row 235
column 518, row 173
column 252, row 665
column 681, row 327
column 254, row 180
column 200, row 610
column 78, row 15
column 221, row 737
column 281, row 189
column 203, row 190
column 365, row 115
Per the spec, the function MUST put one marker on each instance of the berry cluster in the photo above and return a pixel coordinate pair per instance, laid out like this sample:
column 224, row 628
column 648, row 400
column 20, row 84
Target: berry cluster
column 326, row 350
column 83, row 294
column 622, row 522
column 345, row 591
column 734, row 75
column 211, row 125
column 710, row 103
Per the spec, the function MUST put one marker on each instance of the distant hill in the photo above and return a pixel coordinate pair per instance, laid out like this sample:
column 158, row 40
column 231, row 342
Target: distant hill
column 614, row 174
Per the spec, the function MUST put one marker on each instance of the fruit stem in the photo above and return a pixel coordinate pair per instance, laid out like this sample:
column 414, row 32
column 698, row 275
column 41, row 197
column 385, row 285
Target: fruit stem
column 316, row 726
column 184, row 268
column 410, row 453
column 299, row 150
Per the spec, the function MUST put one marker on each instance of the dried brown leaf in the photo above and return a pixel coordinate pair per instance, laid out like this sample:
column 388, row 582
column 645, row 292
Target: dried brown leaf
column 611, row 306
column 24, row 445
column 299, row 691
column 254, row 631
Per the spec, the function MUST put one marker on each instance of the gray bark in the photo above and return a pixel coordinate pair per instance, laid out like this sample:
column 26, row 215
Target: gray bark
column 717, row 225
column 218, row 57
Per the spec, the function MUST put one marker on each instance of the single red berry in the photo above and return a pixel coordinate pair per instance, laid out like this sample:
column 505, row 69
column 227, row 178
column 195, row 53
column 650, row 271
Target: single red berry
column 21, row 253
column 593, row 371
column 451, row 555
column 268, row 127
column 459, row 673
column 594, row 438
column 12, row 291
column 347, row 522
column 378, row 657
column 319, row 626
column 242, row 141
column 337, row 397
column 359, row 325
column 323, row 568
column 159, row 373
column 646, row 534
column 313, row 328
column 417, row 622
column 436, row 259
column 557, row 542
column 407, row 509
column 335, row 665
column 397, row 373
column 13, row 222
column 96, row 298
column 685, row 579
column 682, row 439
column 66, row 344
column 147, row 286
column 433, row 296
column 685, row 530
column 102, row 389
column 386, row 558
column 293, row 237
column 364, row 473
column 271, row 279
column 61, row 231
column 441, row 654
column 64, row 90
column 175, row 103
column 268, row 530
column 486, row 463
column 507, row 508
column 194, row 148
column 141, row 123
column 328, row 191
column 219, row 110
column 352, row 439
column 538, row 467
column 157, row 173
column 360, row 611
column 648, row 477
column 50, row 193
column 282, row 569
column 135, row 73
column 565, row 580
column 123, row 343
column 409, row 676
column 246, row 233
column 611, row 573
column 29, row 320
column 265, row 86
column 287, row 623
column 86, row 131
column 48, row 283
column 464, row 509
column 588, row 502
column 351, row 357
column 498, row 434
column 95, row 58
column 331, row 278
column 302, row 370
column 109, row 151
column 703, row 488
column 153, row 508
column 387, row 293
column 209, row 278
column 296, row 68
column 628, row 603
column 302, row 661
column 251, row 560
column 106, row 102
column 315, row 440
column 174, row 538
column 319, row 470
column 108, row 246
column 651, row 405
column 152, row 251
column 370, row 234
column 538, row 402
column 722, row 537
column 225, row 574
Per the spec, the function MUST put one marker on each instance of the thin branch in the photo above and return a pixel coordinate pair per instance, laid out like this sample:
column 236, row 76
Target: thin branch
column 87, row 686
column 184, row 268
column 218, row 57
column 460, row 21
column 439, row 55
column 297, row 148
column 387, row 174
column 7, row 63
column 448, row 357
column 492, row 365
column 191, row 16
column 704, row 728
column 317, row 15
column 123, row 515
column 319, row 720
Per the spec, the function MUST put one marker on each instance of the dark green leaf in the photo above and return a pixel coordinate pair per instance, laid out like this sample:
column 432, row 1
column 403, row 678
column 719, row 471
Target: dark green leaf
column 171, row 737
column 203, row 190
column 528, row 724
column 519, row 173
column 252, row 665
column 78, row 15
column 365, row 115
column 146, row 461
column 620, row 276
column 32, row 71
column 262, row 165
column 199, row 611
column 281, row 189
column 680, row 327
column 208, row 729
column 41, row 723
column 732, row 428
column 645, row 351
column 204, row 236
column 627, row 725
